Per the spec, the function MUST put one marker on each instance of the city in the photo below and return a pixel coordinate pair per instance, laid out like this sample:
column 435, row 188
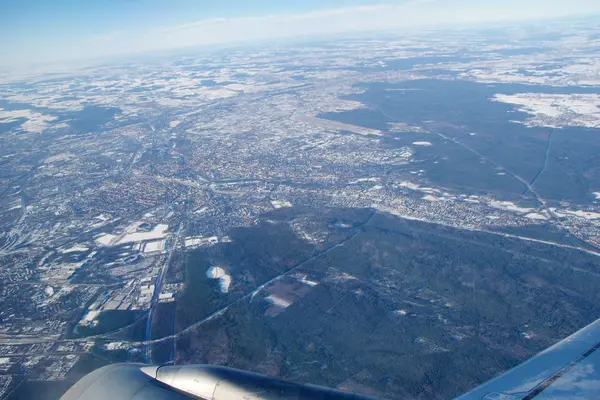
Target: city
column 111, row 176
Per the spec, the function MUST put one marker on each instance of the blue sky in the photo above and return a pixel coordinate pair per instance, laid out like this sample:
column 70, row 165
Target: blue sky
column 54, row 30
column 62, row 16
column 31, row 20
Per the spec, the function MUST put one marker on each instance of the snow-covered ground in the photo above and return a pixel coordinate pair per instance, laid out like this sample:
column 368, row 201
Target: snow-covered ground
column 159, row 232
column 415, row 187
column 472, row 199
column 537, row 216
column 281, row 203
column 361, row 180
column 556, row 110
column 510, row 206
column 33, row 121
column 430, row 198
column 156, row 245
column 278, row 301
column 220, row 274
column 196, row 241
column 75, row 248
column 304, row 279
column 584, row 214
column 105, row 239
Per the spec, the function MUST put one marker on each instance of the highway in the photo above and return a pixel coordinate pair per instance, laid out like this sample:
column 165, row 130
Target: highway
column 158, row 287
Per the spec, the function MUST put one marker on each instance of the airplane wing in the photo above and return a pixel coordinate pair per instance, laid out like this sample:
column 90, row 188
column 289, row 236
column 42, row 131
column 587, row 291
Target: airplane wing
column 143, row 382
column 568, row 370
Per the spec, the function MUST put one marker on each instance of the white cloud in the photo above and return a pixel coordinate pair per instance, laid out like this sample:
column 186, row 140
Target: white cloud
column 105, row 37
column 280, row 18
column 192, row 25
column 407, row 14
column 389, row 16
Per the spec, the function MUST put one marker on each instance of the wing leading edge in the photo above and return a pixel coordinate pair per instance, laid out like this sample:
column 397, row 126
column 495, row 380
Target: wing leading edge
column 204, row 382
column 568, row 370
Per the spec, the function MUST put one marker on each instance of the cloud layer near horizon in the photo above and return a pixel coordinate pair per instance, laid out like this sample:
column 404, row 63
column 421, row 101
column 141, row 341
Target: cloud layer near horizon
column 396, row 16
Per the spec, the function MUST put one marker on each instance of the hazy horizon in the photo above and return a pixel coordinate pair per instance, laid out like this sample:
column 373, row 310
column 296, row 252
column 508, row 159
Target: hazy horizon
column 34, row 32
